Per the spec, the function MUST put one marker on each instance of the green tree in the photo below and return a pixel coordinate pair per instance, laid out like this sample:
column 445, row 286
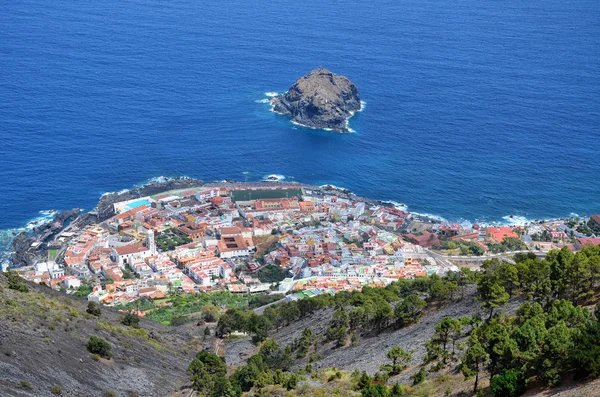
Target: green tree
column 274, row 356
column 448, row 330
column 509, row 275
column 400, row 358
column 474, row 360
column 409, row 309
column 207, row 371
column 491, row 294
column 438, row 290
column 585, row 356
column 338, row 327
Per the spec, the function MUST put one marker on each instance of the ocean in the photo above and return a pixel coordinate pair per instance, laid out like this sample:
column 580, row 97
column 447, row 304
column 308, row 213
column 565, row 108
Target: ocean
column 475, row 110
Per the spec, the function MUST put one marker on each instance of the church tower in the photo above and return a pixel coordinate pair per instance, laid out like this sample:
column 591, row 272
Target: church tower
column 150, row 241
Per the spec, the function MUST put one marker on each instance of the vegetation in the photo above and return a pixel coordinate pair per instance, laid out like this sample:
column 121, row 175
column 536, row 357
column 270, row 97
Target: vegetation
column 550, row 335
column 269, row 367
column 99, row 346
column 131, row 320
column 461, row 246
column 544, row 235
column 171, row 238
column 508, row 244
column 15, row 281
column 141, row 304
column 400, row 358
column 271, row 274
column 183, row 305
column 93, row 309
column 83, row 291
column 358, row 312
column 587, row 228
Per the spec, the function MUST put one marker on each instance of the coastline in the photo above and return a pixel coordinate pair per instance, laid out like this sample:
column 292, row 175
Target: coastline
column 14, row 240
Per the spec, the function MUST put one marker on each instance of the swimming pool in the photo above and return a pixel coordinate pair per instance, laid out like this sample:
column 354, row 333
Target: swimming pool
column 137, row 203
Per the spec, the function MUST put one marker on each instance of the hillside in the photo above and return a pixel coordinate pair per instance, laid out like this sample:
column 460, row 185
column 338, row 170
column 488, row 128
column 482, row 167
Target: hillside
column 532, row 326
column 43, row 337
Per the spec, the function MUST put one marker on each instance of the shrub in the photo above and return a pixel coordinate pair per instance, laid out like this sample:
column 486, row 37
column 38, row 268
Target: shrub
column 179, row 320
column 375, row 390
column 131, row 320
column 95, row 357
column 15, row 281
column 110, row 393
column 398, row 390
column 508, row 384
column 25, row 385
column 97, row 345
column 419, row 377
column 56, row 389
column 93, row 309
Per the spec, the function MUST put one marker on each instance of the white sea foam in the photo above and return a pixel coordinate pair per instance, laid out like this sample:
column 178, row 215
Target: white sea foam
column 274, row 178
column 158, row 179
column 431, row 216
column 271, row 94
column 329, row 185
column 397, row 205
column 265, row 100
column 44, row 217
column 516, row 220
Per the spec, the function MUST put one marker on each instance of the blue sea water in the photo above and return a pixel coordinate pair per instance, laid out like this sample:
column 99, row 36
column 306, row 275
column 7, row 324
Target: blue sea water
column 476, row 109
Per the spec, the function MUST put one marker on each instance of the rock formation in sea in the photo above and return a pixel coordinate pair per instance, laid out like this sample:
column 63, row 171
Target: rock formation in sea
column 321, row 99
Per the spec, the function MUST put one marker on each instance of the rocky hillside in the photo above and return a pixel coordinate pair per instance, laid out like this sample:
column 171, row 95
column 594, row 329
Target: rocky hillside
column 43, row 338
column 321, row 99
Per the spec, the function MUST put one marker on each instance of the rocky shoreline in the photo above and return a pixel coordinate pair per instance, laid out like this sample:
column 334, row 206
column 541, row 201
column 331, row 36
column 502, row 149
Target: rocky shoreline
column 27, row 248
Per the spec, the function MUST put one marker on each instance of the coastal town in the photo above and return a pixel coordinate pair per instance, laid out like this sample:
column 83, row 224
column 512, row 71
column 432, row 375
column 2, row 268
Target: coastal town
column 292, row 240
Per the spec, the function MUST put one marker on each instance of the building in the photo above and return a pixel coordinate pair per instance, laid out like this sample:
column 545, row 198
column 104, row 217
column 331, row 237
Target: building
column 71, row 282
column 232, row 247
column 581, row 242
column 130, row 253
column 53, row 269
column 498, row 234
column 425, row 239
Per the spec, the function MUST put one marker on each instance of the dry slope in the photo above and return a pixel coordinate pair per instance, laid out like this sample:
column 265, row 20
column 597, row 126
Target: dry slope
column 43, row 337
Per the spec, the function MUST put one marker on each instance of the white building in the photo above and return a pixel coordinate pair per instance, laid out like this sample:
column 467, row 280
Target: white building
column 130, row 253
column 54, row 269
column 71, row 282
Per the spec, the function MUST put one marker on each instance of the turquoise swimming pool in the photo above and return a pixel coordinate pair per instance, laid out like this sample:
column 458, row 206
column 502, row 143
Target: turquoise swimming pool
column 138, row 203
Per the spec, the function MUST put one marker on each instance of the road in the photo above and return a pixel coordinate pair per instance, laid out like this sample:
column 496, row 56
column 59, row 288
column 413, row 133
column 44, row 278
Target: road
column 478, row 260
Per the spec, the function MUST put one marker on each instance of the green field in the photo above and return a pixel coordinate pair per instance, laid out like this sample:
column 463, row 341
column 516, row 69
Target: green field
column 52, row 254
column 183, row 305
column 247, row 195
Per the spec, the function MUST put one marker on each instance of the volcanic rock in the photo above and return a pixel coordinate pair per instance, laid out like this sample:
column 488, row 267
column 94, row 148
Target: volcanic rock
column 321, row 99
